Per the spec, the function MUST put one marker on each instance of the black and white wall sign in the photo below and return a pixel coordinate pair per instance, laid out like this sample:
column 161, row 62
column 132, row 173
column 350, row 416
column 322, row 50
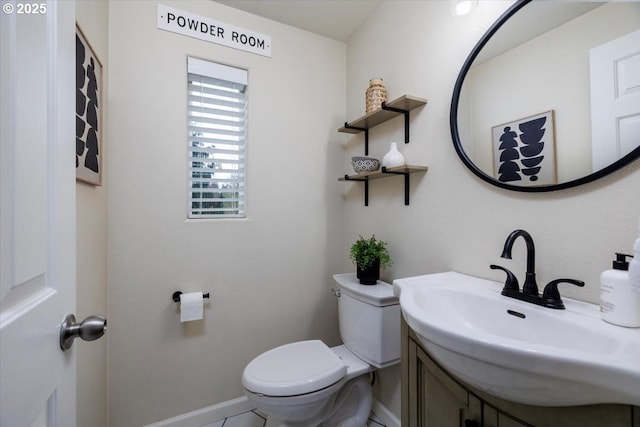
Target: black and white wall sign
column 203, row 28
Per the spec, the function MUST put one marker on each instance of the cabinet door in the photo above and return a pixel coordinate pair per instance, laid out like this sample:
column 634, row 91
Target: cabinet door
column 441, row 401
column 505, row 420
column 432, row 398
column 493, row 417
column 573, row 416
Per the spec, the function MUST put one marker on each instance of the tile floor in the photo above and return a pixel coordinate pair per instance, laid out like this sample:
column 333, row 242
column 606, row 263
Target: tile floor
column 253, row 419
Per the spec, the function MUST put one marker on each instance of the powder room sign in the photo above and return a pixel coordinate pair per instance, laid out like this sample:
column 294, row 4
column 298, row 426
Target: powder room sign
column 199, row 27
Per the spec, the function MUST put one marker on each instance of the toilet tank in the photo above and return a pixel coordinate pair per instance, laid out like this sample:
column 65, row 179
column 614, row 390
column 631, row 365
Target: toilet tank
column 369, row 317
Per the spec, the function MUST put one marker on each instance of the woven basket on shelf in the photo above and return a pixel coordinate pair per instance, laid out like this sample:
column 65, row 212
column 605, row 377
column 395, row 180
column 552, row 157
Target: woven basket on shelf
column 376, row 95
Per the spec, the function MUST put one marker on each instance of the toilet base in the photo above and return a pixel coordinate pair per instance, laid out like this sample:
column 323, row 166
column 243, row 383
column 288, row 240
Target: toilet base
column 353, row 404
column 351, row 408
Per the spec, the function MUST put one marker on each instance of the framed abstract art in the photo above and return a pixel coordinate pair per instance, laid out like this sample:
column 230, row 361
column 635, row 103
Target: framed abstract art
column 88, row 112
column 524, row 151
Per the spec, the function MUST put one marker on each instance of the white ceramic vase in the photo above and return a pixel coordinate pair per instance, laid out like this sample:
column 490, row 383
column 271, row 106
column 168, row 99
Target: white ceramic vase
column 393, row 158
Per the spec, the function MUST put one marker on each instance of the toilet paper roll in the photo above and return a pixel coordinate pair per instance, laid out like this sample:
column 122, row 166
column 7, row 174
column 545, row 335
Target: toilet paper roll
column 191, row 305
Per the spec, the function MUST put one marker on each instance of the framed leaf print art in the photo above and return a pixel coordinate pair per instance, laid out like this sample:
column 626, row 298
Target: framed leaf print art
column 88, row 112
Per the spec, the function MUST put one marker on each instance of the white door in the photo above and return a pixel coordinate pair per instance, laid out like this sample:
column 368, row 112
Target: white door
column 37, row 212
column 615, row 99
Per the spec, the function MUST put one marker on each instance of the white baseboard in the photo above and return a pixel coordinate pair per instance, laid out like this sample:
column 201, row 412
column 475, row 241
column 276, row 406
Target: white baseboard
column 385, row 415
column 213, row 413
column 207, row 415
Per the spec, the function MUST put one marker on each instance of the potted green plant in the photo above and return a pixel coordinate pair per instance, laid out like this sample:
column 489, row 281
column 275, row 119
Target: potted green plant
column 369, row 255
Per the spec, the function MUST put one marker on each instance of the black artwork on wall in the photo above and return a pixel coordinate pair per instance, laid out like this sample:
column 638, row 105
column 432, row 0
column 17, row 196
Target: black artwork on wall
column 524, row 150
column 531, row 134
column 508, row 170
column 88, row 72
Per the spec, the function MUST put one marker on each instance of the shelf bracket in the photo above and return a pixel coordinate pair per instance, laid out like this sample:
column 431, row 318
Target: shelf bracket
column 366, row 136
column 406, row 182
column 366, row 187
column 405, row 113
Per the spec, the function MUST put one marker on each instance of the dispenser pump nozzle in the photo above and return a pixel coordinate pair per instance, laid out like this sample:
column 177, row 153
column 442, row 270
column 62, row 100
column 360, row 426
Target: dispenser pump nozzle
column 621, row 262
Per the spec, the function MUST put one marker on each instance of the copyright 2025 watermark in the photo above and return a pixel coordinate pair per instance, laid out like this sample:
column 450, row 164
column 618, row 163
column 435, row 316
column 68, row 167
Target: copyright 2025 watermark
column 24, row 8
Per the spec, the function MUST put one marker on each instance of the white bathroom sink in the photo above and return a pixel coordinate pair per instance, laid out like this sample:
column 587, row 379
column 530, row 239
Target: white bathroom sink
column 520, row 351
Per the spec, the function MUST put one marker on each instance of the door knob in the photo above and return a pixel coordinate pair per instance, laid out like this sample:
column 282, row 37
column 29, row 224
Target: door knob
column 91, row 328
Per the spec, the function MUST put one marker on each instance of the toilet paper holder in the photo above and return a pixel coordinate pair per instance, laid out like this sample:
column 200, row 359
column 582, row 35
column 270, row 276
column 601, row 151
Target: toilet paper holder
column 176, row 296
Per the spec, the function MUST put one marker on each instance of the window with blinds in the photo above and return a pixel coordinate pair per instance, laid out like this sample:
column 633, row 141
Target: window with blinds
column 217, row 115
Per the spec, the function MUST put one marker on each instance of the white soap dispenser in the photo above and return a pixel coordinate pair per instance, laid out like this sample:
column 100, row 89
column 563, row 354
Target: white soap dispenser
column 619, row 303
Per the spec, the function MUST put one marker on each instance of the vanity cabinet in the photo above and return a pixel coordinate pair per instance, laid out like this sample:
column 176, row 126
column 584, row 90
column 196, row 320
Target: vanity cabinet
column 398, row 107
column 433, row 398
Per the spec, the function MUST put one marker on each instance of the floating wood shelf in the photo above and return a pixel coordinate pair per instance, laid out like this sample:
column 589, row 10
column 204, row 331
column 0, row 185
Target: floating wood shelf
column 385, row 173
column 405, row 103
column 398, row 107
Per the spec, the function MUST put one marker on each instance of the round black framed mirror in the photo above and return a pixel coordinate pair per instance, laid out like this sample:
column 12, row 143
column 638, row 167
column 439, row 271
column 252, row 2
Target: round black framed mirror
column 532, row 109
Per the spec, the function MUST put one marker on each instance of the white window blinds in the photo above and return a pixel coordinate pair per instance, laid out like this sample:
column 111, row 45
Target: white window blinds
column 217, row 115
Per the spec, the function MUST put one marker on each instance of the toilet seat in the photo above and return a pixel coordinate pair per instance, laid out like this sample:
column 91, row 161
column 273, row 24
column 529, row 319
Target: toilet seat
column 294, row 369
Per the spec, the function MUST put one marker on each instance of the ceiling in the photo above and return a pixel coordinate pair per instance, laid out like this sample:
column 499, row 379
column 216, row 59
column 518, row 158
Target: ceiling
column 336, row 19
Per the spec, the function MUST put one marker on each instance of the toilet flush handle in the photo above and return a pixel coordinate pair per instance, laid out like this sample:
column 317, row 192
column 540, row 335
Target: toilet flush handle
column 335, row 292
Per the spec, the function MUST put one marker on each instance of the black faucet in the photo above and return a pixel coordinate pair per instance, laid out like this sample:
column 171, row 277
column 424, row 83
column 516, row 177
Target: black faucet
column 550, row 296
column 530, row 286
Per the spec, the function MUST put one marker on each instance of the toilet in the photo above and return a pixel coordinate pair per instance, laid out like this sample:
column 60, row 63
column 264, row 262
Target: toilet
column 308, row 384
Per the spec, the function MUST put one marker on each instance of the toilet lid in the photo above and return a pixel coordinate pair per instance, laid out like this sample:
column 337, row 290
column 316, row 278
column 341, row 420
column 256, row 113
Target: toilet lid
column 293, row 369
